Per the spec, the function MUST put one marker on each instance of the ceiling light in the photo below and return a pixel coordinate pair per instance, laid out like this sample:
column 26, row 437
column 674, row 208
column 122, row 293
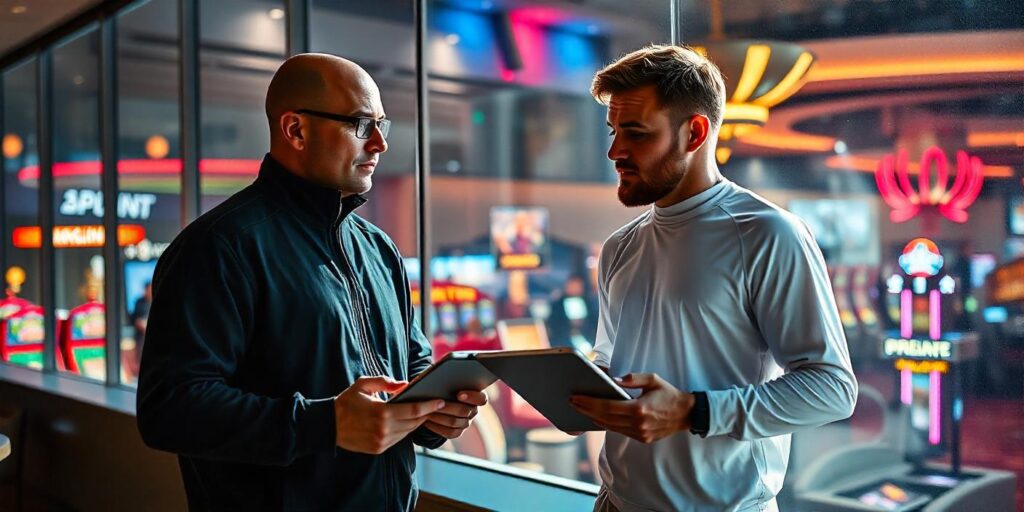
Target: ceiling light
column 452, row 39
column 276, row 14
column 840, row 147
column 18, row 9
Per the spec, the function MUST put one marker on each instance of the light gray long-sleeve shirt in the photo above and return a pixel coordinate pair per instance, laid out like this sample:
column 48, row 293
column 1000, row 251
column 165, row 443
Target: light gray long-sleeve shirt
column 725, row 293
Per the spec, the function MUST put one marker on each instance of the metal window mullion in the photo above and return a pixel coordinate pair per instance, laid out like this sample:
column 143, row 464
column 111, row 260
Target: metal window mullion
column 188, row 84
column 297, row 26
column 422, row 164
column 675, row 19
column 109, row 184
column 47, row 255
column 3, row 182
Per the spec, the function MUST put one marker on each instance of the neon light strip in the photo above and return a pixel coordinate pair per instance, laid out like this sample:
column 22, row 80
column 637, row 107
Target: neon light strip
column 753, row 70
column 934, row 407
column 906, row 392
column 906, row 314
column 935, row 318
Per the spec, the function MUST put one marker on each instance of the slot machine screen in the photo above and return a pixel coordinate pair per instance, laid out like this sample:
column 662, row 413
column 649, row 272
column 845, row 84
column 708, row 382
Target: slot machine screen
column 25, row 330
column 467, row 312
column 890, row 496
column 88, row 325
column 136, row 275
column 448, row 320
column 486, row 310
column 523, row 334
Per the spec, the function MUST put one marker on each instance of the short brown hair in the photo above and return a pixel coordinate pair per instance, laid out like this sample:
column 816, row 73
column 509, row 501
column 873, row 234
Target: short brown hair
column 685, row 80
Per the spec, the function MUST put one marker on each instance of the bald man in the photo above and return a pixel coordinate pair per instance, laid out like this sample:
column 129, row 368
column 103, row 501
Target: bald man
column 281, row 320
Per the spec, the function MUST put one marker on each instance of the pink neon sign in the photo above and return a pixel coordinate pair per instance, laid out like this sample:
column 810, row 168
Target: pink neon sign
column 893, row 179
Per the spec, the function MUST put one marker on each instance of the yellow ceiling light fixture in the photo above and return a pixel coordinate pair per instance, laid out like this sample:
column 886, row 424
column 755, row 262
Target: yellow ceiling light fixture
column 758, row 75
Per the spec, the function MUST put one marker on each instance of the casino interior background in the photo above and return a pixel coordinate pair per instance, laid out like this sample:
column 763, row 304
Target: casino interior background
column 895, row 129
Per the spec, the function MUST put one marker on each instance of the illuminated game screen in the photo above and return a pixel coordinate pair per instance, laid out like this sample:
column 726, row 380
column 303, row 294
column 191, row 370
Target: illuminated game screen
column 519, row 237
column 136, row 275
column 88, row 325
column 448, row 318
column 890, row 496
column 522, row 335
column 25, row 330
column 486, row 311
column 844, row 228
column 467, row 312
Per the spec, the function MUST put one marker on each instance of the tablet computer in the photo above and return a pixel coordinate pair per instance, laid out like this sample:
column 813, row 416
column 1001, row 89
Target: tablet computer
column 457, row 371
column 546, row 379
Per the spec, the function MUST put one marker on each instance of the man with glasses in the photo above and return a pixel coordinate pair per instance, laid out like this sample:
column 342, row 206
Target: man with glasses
column 714, row 302
column 281, row 320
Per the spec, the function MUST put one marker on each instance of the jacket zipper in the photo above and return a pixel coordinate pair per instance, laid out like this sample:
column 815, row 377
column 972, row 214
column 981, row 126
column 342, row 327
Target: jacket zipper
column 371, row 363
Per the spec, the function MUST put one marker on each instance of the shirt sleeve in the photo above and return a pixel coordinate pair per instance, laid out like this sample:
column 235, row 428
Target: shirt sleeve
column 603, row 340
column 199, row 325
column 795, row 310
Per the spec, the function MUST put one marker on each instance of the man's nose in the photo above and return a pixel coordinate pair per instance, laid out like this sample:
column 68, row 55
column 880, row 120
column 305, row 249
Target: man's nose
column 376, row 143
column 616, row 151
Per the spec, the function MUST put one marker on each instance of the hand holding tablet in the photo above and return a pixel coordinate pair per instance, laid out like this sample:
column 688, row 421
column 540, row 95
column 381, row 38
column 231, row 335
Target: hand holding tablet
column 545, row 378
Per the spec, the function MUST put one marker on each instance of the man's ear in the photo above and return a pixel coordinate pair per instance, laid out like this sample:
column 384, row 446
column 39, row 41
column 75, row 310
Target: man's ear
column 700, row 129
column 293, row 130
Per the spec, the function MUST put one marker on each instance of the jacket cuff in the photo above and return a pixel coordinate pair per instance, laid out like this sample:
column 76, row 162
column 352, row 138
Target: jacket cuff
column 314, row 425
column 427, row 438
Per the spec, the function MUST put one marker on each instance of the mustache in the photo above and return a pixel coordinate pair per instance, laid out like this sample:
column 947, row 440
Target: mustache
column 624, row 166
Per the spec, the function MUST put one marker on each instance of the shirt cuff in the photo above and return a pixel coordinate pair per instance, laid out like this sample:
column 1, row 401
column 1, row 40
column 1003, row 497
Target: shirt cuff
column 314, row 425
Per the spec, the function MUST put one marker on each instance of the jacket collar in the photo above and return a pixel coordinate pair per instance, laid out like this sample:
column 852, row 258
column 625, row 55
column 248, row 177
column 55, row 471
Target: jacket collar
column 323, row 204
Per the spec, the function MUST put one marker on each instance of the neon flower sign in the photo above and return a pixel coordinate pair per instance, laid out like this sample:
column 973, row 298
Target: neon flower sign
column 921, row 258
column 893, row 179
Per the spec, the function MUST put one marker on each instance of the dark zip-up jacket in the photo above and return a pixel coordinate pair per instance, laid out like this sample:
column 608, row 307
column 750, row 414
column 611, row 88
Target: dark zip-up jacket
column 264, row 309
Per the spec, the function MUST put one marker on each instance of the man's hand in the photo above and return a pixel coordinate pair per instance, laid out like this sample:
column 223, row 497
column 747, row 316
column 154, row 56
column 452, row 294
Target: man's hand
column 455, row 417
column 366, row 424
column 661, row 411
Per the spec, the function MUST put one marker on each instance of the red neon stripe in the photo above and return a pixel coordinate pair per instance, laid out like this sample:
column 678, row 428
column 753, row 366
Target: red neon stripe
column 172, row 166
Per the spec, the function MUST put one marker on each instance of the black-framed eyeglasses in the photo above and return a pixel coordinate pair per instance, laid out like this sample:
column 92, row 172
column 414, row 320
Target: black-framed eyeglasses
column 364, row 125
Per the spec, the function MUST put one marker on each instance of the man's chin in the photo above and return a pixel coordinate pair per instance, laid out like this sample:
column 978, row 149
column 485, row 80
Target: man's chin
column 631, row 197
column 358, row 186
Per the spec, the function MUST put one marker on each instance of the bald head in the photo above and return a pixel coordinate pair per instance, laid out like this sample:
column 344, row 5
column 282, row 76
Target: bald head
column 309, row 80
column 312, row 102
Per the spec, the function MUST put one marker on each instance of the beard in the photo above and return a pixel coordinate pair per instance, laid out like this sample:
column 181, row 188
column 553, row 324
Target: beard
column 645, row 188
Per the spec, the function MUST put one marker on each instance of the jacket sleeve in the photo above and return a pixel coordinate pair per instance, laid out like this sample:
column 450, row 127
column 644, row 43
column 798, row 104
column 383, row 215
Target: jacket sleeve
column 198, row 332
column 795, row 310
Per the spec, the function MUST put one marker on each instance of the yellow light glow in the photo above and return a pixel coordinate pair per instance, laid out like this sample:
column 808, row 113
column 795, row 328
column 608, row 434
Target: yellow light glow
column 722, row 154
column 933, row 65
column 995, row 139
column 788, row 85
column 12, row 145
column 753, row 70
column 157, row 147
column 868, row 164
column 743, row 130
column 794, row 141
column 702, row 51
column 726, row 131
column 745, row 112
